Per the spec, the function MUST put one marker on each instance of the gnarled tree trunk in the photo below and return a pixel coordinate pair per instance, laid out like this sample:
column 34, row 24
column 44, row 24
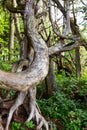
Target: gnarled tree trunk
column 39, row 68
column 27, row 80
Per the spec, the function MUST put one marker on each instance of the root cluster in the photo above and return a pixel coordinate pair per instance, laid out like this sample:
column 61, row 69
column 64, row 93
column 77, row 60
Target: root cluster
column 33, row 106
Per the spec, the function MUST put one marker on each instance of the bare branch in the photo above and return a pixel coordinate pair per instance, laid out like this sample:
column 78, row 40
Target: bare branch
column 58, row 48
column 72, row 24
column 54, row 25
column 66, row 15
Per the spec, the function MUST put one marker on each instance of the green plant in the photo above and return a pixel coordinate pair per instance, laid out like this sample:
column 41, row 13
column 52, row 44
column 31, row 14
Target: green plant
column 17, row 126
column 66, row 104
column 12, row 94
column 5, row 65
column 30, row 124
column 54, row 127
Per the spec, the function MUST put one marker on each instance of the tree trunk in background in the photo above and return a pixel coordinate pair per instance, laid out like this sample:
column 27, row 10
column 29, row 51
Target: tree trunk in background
column 11, row 46
column 59, row 64
column 50, row 80
column 17, row 23
column 78, row 65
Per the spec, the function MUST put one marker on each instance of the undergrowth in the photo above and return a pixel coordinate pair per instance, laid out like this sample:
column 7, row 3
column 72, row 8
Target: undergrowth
column 68, row 104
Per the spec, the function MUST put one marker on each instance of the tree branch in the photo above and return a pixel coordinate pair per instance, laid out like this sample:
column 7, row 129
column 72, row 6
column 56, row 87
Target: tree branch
column 58, row 48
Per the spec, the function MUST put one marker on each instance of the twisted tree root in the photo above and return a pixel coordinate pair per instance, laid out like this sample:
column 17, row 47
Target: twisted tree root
column 18, row 102
column 35, row 112
column 34, row 108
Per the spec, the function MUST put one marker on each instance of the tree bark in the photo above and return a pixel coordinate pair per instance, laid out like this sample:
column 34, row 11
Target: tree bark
column 50, row 80
column 78, row 65
column 38, row 70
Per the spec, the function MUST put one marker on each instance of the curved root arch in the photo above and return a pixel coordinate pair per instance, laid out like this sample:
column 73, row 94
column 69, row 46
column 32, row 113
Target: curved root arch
column 34, row 109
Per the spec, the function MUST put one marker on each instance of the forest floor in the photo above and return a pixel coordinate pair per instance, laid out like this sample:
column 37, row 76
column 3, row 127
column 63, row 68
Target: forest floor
column 20, row 116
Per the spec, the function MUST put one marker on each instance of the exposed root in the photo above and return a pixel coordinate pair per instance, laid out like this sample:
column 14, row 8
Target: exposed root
column 35, row 111
column 1, row 127
column 18, row 66
column 19, row 101
column 40, row 121
column 33, row 106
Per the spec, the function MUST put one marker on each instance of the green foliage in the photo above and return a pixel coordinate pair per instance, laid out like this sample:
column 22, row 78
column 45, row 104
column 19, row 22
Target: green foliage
column 4, row 25
column 30, row 124
column 4, row 36
column 54, row 127
column 5, row 65
column 17, row 126
column 37, row 1
column 72, row 86
column 67, row 105
column 4, row 32
column 12, row 94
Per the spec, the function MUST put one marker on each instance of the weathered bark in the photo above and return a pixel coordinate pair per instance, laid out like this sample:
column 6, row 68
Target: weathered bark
column 31, row 101
column 39, row 68
column 58, row 48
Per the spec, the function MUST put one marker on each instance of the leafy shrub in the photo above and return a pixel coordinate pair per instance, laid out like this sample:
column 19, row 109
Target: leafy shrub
column 30, row 124
column 17, row 126
column 5, row 66
column 65, row 106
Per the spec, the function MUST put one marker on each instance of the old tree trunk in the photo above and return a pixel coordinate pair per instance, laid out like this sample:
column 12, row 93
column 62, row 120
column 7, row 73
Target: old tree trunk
column 34, row 64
